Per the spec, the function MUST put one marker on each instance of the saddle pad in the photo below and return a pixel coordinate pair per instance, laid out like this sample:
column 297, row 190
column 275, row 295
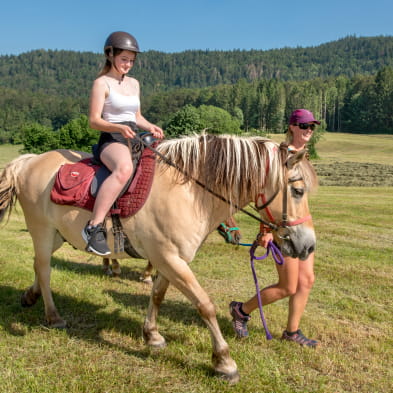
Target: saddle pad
column 72, row 185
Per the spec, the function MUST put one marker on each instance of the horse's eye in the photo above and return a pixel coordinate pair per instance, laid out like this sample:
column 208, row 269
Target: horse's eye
column 297, row 192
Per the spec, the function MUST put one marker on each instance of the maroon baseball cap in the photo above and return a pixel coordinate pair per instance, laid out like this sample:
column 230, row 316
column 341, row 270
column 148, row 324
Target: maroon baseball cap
column 302, row 116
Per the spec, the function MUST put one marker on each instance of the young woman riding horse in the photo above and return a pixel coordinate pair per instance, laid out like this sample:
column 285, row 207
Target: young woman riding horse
column 115, row 111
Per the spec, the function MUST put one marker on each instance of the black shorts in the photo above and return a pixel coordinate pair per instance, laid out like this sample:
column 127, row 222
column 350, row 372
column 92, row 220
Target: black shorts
column 106, row 138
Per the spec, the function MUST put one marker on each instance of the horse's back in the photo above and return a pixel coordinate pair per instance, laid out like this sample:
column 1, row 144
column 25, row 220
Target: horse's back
column 36, row 178
column 39, row 172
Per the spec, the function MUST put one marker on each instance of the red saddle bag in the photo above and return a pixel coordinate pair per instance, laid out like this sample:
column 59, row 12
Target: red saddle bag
column 72, row 185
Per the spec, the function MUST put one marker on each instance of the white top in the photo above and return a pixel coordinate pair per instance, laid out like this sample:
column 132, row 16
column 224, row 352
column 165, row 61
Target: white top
column 119, row 108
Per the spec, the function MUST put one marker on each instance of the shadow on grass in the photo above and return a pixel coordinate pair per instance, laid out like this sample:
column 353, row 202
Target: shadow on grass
column 177, row 311
column 89, row 321
column 95, row 269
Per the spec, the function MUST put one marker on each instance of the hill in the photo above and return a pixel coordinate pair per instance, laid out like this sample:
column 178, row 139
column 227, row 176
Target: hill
column 68, row 73
column 348, row 84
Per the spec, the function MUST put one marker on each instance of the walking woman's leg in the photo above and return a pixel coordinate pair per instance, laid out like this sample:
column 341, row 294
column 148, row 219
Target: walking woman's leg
column 286, row 286
column 298, row 301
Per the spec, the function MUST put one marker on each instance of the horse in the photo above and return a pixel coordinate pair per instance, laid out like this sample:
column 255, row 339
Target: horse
column 228, row 230
column 211, row 177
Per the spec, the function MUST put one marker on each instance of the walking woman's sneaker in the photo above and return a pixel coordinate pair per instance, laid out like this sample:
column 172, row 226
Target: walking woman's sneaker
column 298, row 337
column 239, row 321
column 95, row 237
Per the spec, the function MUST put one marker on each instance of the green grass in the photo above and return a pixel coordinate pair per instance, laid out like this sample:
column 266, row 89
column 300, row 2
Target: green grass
column 8, row 152
column 350, row 310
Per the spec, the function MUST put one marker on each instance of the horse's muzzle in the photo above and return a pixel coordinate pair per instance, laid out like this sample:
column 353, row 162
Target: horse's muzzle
column 298, row 242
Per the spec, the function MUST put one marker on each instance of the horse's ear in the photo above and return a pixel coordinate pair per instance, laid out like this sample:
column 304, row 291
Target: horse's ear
column 295, row 158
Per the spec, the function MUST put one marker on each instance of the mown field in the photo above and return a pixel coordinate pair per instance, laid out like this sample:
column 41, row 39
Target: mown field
column 350, row 310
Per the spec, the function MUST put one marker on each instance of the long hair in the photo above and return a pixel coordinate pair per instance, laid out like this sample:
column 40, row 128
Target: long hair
column 108, row 64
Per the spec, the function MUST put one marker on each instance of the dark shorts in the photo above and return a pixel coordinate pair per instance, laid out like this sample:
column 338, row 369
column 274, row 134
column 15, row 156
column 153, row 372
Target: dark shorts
column 106, row 138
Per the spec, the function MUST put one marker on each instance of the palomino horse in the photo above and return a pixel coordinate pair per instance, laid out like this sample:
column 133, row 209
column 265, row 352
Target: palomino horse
column 236, row 169
column 228, row 230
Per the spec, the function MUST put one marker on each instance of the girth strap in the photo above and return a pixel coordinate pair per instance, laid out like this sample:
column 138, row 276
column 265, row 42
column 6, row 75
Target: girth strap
column 121, row 241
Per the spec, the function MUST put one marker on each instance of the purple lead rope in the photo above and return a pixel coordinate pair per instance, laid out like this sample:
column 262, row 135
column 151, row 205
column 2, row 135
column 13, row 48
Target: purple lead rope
column 279, row 259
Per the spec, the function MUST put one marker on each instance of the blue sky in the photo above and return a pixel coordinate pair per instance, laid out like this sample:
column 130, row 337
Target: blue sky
column 175, row 26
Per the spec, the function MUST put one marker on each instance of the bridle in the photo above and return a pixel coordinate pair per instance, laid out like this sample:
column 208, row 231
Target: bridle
column 285, row 224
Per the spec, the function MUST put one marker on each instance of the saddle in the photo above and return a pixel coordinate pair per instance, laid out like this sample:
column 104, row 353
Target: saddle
column 77, row 184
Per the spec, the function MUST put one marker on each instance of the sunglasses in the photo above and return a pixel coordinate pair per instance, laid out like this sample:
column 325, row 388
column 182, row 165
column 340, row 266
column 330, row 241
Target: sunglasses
column 306, row 126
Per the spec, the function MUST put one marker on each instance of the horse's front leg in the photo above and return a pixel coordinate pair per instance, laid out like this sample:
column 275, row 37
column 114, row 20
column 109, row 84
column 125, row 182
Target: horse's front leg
column 181, row 276
column 150, row 331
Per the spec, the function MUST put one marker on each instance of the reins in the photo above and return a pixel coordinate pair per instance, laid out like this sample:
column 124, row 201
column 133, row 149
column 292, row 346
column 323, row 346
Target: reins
column 172, row 164
column 279, row 259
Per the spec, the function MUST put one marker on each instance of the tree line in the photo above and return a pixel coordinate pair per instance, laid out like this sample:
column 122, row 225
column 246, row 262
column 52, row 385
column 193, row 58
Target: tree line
column 348, row 84
column 362, row 104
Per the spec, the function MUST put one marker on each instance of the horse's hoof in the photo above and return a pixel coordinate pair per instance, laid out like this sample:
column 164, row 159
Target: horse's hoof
column 24, row 302
column 59, row 324
column 107, row 272
column 154, row 341
column 148, row 280
column 28, row 300
column 232, row 378
column 157, row 345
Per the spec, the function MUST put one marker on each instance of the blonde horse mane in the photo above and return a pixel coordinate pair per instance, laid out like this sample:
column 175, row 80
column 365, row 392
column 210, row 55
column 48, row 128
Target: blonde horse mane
column 232, row 166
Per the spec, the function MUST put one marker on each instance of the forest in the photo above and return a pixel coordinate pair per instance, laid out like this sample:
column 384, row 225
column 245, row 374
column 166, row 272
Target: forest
column 347, row 83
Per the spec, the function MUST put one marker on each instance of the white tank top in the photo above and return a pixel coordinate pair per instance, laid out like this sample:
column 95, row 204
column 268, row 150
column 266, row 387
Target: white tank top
column 118, row 107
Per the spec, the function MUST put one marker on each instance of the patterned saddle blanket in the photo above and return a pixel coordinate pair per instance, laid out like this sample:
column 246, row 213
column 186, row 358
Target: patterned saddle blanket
column 73, row 185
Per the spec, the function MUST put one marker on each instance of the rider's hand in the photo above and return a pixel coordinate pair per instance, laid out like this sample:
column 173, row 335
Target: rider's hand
column 157, row 132
column 265, row 239
column 126, row 131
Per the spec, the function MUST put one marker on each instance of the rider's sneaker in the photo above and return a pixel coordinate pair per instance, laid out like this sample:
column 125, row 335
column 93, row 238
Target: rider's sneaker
column 239, row 319
column 298, row 337
column 95, row 237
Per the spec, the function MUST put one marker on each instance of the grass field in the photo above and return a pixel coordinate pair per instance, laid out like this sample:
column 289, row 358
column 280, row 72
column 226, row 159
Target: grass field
column 350, row 310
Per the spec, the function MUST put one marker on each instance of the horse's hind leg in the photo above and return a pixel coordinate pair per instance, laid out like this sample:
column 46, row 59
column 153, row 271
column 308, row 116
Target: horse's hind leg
column 116, row 271
column 106, row 268
column 111, row 267
column 181, row 276
column 146, row 276
column 150, row 330
column 45, row 243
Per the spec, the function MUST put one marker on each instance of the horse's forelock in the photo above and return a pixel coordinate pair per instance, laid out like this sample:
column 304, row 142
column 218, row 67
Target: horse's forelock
column 233, row 166
column 307, row 172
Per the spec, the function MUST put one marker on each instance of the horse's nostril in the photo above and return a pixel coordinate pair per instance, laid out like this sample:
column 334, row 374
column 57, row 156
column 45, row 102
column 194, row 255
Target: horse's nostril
column 311, row 249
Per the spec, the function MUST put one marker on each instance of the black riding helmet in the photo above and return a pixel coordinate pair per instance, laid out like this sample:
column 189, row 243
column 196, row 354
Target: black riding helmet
column 120, row 40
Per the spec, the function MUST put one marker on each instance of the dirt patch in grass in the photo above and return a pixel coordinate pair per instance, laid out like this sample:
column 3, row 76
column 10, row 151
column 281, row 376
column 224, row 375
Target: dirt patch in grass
column 354, row 174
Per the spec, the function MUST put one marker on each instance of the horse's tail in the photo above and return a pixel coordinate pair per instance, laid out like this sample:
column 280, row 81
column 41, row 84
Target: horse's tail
column 8, row 183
